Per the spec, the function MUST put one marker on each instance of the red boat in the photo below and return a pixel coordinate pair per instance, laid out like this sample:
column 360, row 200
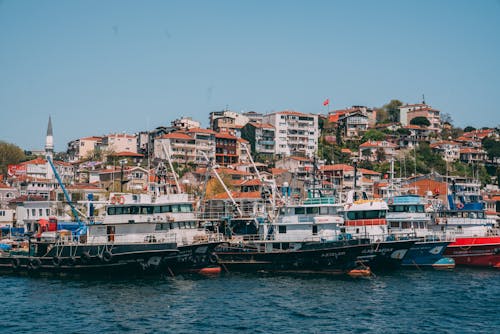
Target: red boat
column 475, row 251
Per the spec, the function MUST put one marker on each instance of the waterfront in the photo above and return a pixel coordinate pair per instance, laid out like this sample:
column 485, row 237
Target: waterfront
column 405, row 301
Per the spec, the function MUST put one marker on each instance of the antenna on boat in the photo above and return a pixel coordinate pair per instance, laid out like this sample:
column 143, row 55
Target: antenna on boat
column 167, row 155
column 222, row 183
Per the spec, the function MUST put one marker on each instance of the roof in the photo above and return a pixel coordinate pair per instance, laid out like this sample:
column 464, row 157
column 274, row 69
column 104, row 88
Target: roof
column 26, row 198
column 368, row 171
column 200, row 130
column 177, row 135
column 127, row 154
column 238, row 195
column 92, row 138
column 225, row 135
column 88, row 186
column 382, row 144
column 278, row 171
column 248, row 183
column 471, row 150
column 342, row 167
column 346, row 150
column 261, row 125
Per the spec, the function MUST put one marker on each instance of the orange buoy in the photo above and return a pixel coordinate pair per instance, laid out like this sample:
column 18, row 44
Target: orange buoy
column 360, row 272
column 210, row 270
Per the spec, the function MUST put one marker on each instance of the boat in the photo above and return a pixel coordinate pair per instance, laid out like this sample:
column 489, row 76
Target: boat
column 303, row 238
column 407, row 217
column 140, row 233
column 366, row 218
column 477, row 241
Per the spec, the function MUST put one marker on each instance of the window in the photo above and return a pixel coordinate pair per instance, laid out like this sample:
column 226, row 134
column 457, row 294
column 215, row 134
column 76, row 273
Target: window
column 315, row 229
column 281, row 229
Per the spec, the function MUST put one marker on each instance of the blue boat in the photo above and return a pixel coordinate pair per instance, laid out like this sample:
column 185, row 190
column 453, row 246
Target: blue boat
column 407, row 217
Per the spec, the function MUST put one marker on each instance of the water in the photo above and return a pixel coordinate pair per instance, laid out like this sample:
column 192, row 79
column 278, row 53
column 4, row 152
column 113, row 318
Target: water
column 406, row 301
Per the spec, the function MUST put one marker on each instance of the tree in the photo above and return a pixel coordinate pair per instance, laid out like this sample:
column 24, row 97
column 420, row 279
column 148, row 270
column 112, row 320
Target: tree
column 392, row 109
column 421, row 121
column 446, row 118
column 373, row 135
column 469, row 129
column 10, row 154
column 492, row 147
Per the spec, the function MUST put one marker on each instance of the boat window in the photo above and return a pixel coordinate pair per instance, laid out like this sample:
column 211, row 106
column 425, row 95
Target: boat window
column 420, row 208
column 315, row 229
column 313, row 210
column 394, row 224
column 282, row 229
column 119, row 210
column 156, row 209
column 186, row 207
column 166, row 208
column 421, row 225
column 111, row 211
column 175, row 208
column 480, row 215
column 145, row 210
column 300, row 211
column 406, row 225
column 134, row 210
column 171, row 225
column 371, row 214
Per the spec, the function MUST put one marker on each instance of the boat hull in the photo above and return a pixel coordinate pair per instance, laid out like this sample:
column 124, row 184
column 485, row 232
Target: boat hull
column 475, row 252
column 324, row 258
column 109, row 259
column 386, row 255
column 427, row 254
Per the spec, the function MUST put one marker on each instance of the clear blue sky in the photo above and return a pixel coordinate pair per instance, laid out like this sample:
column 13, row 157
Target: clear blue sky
column 111, row 66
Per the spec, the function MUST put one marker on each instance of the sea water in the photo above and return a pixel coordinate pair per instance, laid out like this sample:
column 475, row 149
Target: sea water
column 404, row 301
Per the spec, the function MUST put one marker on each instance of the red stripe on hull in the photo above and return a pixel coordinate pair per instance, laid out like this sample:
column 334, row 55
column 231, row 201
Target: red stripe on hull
column 478, row 252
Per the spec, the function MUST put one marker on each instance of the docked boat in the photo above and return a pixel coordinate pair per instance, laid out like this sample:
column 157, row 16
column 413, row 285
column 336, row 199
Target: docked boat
column 138, row 234
column 302, row 238
column 366, row 218
column 407, row 217
column 477, row 241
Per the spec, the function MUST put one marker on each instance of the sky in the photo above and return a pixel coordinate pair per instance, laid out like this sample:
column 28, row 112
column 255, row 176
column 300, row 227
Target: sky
column 102, row 66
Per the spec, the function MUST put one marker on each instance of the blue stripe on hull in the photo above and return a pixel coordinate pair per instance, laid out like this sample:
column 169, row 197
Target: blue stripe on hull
column 425, row 253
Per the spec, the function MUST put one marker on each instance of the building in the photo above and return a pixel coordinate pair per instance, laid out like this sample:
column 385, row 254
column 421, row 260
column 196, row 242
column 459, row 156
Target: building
column 226, row 121
column 204, row 141
column 300, row 167
column 353, row 125
column 261, row 139
column 449, row 150
column 185, row 123
column 377, row 150
column 180, row 147
column 119, row 143
column 296, row 134
column 411, row 111
column 226, row 149
column 83, row 148
column 473, row 155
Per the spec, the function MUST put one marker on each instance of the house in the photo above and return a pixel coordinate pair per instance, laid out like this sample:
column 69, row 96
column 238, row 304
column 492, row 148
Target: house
column 119, row 142
column 300, row 167
column 449, row 150
column 227, row 121
column 83, row 148
column 377, row 150
column 261, row 138
column 226, row 149
column 411, row 111
column 411, row 136
column 296, row 134
column 180, row 147
column 185, row 123
column 204, row 142
column 473, row 155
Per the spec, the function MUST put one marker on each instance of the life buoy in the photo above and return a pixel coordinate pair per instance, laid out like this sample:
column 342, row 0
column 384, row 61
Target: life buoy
column 56, row 261
column 460, row 206
column 121, row 200
column 113, row 200
column 35, row 263
column 15, row 263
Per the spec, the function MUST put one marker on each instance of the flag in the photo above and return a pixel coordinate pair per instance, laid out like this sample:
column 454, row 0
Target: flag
column 326, row 102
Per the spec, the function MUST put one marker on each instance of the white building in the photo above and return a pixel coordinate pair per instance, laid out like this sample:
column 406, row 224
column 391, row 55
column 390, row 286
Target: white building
column 296, row 133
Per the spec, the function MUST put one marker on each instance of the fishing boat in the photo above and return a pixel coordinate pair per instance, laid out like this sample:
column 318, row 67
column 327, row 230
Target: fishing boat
column 302, row 238
column 407, row 217
column 477, row 241
column 366, row 218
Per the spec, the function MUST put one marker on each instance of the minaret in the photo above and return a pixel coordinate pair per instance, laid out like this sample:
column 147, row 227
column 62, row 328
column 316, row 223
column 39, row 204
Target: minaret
column 49, row 141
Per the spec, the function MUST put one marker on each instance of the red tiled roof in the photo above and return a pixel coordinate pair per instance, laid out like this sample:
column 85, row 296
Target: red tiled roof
column 27, row 198
column 382, row 144
column 200, row 130
column 343, row 167
column 278, row 171
column 177, row 135
column 238, row 195
column 368, row 171
column 225, row 135
column 127, row 154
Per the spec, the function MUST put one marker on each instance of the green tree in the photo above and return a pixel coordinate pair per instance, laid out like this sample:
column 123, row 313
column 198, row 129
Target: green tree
column 469, row 129
column 392, row 109
column 421, row 121
column 10, row 154
column 373, row 135
column 492, row 148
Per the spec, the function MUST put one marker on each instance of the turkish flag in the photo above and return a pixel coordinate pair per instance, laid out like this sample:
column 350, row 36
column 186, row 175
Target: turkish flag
column 326, row 102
